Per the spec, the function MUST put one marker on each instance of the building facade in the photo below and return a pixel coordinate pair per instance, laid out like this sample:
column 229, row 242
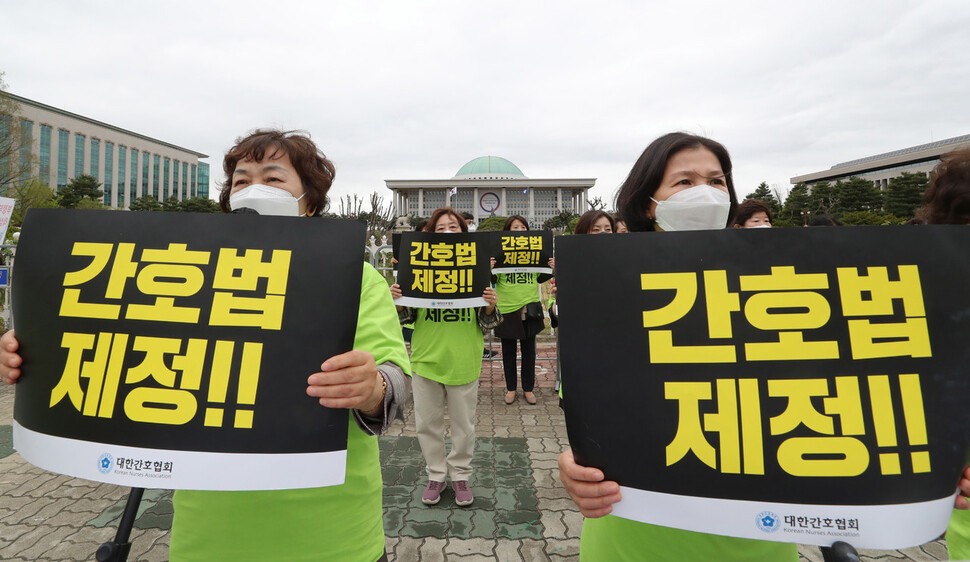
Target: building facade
column 492, row 186
column 129, row 165
column 880, row 168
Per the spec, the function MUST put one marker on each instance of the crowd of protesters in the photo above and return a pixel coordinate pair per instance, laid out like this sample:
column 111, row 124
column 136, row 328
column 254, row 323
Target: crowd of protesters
column 680, row 182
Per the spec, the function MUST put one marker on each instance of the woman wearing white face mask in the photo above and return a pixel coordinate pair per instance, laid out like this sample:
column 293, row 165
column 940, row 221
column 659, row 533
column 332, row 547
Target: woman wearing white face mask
column 275, row 172
column 446, row 361
column 680, row 182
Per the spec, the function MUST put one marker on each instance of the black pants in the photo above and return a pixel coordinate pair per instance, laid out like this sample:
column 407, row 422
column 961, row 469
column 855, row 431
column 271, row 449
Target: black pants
column 528, row 346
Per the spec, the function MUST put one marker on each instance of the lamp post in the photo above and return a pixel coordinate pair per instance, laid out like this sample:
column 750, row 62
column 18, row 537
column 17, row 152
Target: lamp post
column 805, row 216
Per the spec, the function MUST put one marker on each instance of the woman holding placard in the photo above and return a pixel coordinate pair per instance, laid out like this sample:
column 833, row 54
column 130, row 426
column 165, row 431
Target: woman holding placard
column 285, row 173
column 947, row 201
column 680, row 182
column 521, row 305
column 446, row 363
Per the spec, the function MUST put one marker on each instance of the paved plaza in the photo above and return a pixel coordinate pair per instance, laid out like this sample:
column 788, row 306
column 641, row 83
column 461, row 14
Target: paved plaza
column 521, row 511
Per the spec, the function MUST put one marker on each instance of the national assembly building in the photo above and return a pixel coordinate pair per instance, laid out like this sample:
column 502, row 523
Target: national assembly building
column 129, row 165
column 492, row 186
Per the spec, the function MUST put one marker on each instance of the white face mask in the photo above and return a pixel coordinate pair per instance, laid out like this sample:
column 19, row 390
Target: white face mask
column 701, row 207
column 760, row 226
column 266, row 200
column 472, row 227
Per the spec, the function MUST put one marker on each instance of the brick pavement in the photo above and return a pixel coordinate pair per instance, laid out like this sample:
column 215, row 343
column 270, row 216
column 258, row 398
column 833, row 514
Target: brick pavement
column 521, row 511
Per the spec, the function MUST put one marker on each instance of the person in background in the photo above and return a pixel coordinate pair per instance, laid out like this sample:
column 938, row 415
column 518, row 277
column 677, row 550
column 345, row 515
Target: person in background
column 947, row 201
column 336, row 522
column 595, row 222
column 517, row 294
column 676, row 168
column 620, row 225
column 445, row 369
column 470, row 221
column 753, row 213
column 824, row 220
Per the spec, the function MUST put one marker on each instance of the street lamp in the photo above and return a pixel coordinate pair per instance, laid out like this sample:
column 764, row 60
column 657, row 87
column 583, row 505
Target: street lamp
column 805, row 216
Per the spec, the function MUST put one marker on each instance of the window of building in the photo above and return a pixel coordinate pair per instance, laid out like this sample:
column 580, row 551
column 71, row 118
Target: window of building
column 26, row 142
column 108, row 187
column 62, row 136
column 122, row 169
column 133, row 178
column 185, row 185
column 156, row 165
column 203, row 180
column 78, row 154
column 5, row 122
column 166, row 186
column 44, row 172
column 144, row 172
column 176, row 169
column 95, row 157
column 193, row 181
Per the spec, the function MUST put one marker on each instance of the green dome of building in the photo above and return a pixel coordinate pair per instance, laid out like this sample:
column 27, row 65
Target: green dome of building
column 489, row 167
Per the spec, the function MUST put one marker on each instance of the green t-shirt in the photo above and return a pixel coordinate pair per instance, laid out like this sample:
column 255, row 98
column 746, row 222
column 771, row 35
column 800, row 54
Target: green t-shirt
column 515, row 290
column 615, row 538
column 447, row 345
column 332, row 523
column 958, row 535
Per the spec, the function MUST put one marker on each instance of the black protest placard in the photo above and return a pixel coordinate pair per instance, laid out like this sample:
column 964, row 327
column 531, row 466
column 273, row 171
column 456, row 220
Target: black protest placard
column 523, row 251
column 173, row 349
column 443, row 270
column 797, row 385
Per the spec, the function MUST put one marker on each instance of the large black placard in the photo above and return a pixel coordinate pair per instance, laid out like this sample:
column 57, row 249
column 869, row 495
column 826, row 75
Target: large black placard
column 182, row 343
column 799, row 385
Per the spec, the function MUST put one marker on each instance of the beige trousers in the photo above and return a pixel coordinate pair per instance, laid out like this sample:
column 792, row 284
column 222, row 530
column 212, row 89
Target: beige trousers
column 430, row 399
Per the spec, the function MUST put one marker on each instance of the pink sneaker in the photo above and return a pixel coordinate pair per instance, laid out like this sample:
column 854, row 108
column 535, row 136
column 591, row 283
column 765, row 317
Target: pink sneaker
column 432, row 494
column 463, row 493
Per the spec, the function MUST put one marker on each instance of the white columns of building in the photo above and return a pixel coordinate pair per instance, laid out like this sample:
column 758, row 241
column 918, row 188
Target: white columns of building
column 420, row 202
column 532, row 212
column 475, row 205
column 503, row 209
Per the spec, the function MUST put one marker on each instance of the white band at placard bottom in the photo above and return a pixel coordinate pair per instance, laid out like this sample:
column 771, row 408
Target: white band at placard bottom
column 863, row 526
column 181, row 470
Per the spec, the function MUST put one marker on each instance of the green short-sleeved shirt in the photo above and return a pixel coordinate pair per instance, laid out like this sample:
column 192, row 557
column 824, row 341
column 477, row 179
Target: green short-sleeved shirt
column 333, row 523
column 446, row 346
column 515, row 290
column 615, row 538
column 958, row 535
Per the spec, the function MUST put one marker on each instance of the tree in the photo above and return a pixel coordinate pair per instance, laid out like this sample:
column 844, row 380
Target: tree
column 763, row 193
column 904, row 194
column 857, row 194
column 145, row 203
column 171, row 204
column 78, row 189
column 415, row 220
column 797, row 202
column 32, row 195
column 199, row 205
column 862, row 218
column 16, row 159
column 559, row 222
column 492, row 223
column 571, row 227
column 596, row 204
column 824, row 199
column 379, row 220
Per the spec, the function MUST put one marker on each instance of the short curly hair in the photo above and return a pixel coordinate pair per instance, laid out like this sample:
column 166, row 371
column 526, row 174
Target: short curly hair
column 316, row 171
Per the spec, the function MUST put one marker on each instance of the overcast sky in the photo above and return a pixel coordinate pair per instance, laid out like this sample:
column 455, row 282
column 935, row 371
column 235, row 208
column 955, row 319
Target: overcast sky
column 413, row 90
